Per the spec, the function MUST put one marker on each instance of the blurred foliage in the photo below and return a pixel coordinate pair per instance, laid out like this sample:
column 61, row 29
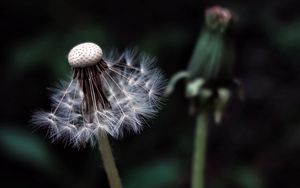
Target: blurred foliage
column 247, row 177
column 50, row 49
column 257, row 145
column 158, row 174
column 288, row 38
column 21, row 145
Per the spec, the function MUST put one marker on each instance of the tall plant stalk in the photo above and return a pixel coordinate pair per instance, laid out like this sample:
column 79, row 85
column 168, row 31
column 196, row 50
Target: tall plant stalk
column 209, row 79
column 109, row 162
column 199, row 150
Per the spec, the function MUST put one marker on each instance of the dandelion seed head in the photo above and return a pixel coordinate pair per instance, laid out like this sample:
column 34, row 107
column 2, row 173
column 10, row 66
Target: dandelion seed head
column 85, row 54
column 104, row 96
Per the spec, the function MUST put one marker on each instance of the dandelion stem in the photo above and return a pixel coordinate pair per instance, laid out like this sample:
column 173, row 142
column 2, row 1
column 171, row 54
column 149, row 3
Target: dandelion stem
column 178, row 76
column 199, row 150
column 109, row 162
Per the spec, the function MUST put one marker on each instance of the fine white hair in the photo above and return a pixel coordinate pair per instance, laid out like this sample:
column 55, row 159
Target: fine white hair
column 132, row 85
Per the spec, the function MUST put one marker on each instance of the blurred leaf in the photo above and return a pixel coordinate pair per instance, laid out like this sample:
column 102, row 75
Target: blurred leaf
column 31, row 52
column 159, row 174
column 288, row 37
column 25, row 147
column 50, row 49
column 45, row 49
column 247, row 177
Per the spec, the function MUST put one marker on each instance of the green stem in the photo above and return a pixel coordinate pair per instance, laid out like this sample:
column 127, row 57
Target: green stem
column 178, row 76
column 199, row 150
column 109, row 162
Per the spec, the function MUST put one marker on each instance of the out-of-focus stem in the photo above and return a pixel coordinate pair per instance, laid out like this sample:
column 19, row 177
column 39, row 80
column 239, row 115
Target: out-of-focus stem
column 178, row 76
column 199, row 150
column 109, row 162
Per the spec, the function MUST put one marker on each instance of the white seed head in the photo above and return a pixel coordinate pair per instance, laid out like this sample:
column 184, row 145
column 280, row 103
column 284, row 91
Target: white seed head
column 133, row 95
column 85, row 54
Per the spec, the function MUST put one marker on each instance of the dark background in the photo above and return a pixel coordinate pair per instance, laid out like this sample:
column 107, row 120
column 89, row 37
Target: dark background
column 256, row 146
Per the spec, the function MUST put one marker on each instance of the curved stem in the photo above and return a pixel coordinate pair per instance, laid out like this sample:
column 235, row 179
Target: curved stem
column 199, row 150
column 109, row 162
column 178, row 76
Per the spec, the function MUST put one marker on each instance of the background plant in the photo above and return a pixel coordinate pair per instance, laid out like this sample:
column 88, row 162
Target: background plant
column 209, row 82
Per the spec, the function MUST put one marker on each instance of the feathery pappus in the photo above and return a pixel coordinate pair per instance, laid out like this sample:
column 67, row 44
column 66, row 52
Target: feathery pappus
column 104, row 96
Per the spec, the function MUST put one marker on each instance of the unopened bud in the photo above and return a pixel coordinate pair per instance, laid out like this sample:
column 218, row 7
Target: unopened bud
column 218, row 18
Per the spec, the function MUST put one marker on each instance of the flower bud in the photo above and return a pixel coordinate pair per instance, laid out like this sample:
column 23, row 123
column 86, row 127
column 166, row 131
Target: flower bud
column 213, row 56
column 218, row 18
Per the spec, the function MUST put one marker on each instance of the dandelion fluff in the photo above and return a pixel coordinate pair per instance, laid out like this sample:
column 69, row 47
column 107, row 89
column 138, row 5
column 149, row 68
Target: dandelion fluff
column 104, row 96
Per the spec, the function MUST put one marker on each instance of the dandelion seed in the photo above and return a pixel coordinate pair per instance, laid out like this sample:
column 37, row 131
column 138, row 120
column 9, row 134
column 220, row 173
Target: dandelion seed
column 104, row 95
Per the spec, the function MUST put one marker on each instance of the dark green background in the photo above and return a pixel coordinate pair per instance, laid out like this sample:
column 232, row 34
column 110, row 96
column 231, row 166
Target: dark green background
column 257, row 145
